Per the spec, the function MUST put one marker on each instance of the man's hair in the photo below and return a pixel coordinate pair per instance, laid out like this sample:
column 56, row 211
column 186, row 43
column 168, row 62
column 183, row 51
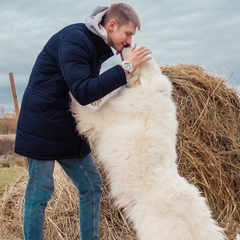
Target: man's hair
column 122, row 13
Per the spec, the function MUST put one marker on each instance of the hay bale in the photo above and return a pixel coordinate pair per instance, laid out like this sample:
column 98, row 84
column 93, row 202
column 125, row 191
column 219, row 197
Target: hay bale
column 209, row 141
column 208, row 156
column 61, row 220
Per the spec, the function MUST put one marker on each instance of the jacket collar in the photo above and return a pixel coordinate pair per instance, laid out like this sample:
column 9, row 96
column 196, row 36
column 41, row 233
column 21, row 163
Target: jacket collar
column 103, row 50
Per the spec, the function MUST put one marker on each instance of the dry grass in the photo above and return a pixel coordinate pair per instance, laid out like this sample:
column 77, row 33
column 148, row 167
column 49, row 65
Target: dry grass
column 7, row 136
column 209, row 141
column 208, row 156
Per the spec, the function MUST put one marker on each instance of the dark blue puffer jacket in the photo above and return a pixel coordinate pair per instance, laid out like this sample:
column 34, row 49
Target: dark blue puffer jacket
column 70, row 61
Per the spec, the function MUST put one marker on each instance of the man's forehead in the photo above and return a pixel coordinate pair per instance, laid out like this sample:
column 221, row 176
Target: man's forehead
column 130, row 27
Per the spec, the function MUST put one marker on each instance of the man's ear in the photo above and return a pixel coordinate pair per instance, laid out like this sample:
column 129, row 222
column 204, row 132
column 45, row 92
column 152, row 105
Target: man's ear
column 111, row 25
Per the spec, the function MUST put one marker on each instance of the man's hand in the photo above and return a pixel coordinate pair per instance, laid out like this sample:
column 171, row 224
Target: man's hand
column 137, row 56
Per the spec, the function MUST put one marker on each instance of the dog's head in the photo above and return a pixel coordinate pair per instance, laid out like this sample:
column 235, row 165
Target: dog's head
column 148, row 75
column 144, row 74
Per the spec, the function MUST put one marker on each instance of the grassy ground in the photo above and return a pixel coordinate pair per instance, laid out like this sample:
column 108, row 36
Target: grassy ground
column 8, row 176
column 10, row 168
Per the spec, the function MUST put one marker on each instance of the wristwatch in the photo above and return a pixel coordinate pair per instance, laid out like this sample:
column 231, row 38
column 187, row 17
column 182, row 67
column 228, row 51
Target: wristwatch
column 127, row 66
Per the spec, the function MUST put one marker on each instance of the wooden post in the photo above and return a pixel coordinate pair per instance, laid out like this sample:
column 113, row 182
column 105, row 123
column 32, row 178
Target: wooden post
column 14, row 94
column 15, row 100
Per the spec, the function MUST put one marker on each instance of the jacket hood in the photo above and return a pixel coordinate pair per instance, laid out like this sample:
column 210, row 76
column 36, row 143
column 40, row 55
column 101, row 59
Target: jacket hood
column 92, row 22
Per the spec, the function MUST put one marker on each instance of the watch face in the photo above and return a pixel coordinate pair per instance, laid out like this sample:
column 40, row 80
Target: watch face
column 127, row 65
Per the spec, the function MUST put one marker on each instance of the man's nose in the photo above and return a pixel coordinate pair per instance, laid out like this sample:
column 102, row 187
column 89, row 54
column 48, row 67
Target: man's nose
column 129, row 41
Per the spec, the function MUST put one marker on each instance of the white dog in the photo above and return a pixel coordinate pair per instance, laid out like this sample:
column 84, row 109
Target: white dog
column 133, row 131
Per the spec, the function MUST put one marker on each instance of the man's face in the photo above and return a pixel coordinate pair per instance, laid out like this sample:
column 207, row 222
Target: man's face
column 119, row 37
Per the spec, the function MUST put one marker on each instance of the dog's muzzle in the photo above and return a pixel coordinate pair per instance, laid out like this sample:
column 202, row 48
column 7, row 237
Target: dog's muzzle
column 124, row 50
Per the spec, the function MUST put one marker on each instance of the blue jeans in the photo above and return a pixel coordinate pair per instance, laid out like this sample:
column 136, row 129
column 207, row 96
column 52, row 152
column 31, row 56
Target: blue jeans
column 85, row 177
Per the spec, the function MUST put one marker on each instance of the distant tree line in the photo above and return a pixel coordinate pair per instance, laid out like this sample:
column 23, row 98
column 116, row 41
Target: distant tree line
column 6, row 146
column 8, row 126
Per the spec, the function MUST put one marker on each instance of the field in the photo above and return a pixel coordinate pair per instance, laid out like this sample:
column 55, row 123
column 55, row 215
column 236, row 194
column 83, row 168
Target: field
column 8, row 176
column 11, row 165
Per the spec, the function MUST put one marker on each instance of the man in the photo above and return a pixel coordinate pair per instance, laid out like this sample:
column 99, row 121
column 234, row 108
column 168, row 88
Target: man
column 71, row 61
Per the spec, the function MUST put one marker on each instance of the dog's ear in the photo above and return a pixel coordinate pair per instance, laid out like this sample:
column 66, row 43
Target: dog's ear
column 133, row 79
column 150, row 75
column 146, row 72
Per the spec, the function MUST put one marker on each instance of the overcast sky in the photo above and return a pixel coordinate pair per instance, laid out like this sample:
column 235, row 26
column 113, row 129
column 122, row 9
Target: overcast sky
column 205, row 33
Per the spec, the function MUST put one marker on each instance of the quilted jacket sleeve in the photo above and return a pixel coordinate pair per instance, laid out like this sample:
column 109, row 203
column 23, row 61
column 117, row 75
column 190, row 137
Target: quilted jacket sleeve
column 80, row 63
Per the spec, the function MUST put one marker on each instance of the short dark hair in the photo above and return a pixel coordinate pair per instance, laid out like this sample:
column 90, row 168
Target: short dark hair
column 122, row 13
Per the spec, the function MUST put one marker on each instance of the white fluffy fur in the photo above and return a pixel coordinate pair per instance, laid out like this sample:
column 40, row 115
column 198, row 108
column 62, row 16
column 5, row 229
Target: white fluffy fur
column 133, row 131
